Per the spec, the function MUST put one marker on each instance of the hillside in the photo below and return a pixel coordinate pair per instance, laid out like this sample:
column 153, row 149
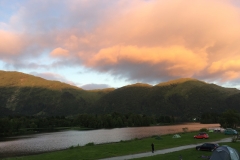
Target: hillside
column 29, row 95
column 184, row 98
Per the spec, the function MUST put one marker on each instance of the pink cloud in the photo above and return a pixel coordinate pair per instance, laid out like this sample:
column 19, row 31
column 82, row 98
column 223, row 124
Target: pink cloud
column 134, row 40
column 10, row 43
column 228, row 69
column 59, row 52
column 146, row 35
column 175, row 57
column 225, row 65
column 230, row 75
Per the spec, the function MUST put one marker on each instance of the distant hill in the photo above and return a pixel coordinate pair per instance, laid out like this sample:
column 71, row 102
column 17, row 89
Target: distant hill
column 185, row 98
column 29, row 95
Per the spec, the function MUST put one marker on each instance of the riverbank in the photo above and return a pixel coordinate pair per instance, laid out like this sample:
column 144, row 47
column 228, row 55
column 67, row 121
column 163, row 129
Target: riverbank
column 54, row 141
column 121, row 148
column 32, row 131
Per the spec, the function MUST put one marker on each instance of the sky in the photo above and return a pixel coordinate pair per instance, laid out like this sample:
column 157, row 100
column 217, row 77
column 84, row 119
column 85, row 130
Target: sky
column 96, row 44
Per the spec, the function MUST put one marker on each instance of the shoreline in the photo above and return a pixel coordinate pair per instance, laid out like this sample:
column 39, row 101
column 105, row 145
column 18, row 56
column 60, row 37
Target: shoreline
column 14, row 154
column 22, row 154
column 47, row 130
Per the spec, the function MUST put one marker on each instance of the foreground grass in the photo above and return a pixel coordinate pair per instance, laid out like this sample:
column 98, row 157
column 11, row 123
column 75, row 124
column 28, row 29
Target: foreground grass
column 190, row 154
column 123, row 147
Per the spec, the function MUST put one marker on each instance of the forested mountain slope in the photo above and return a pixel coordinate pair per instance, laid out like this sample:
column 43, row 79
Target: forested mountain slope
column 29, row 95
column 184, row 98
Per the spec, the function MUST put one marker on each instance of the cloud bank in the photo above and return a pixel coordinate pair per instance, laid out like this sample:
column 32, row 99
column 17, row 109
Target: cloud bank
column 94, row 86
column 147, row 41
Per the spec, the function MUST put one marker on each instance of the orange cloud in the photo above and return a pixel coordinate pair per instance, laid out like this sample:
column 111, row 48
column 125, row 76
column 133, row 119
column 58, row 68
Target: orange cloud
column 175, row 57
column 59, row 52
column 171, row 22
column 185, row 39
column 225, row 65
column 138, row 39
column 227, row 69
column 230, row 75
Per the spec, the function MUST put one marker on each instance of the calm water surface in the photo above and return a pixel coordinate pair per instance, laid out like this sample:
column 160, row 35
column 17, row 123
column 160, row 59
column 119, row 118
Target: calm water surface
column 45, row 142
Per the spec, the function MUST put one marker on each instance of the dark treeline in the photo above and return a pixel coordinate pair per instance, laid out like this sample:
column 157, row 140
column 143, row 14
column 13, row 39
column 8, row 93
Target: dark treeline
column 116, row 120
column 15, row 125
column 228, row 119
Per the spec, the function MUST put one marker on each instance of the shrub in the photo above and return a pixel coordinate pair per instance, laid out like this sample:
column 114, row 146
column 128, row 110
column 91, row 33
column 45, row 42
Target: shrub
column 185, row 129
column 71, row 147
column 158, row 138
column 154, row 136
column 203, row 130
column 90, row 144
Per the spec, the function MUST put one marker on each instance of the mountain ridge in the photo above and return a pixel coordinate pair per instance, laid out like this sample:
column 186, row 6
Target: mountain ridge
column 25, row 94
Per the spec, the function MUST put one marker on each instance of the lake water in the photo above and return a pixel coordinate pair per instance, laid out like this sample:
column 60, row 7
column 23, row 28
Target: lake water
column 45, row 142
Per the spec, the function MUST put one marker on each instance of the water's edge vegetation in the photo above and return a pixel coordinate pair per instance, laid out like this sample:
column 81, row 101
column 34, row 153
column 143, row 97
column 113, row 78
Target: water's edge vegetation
column 20, row 125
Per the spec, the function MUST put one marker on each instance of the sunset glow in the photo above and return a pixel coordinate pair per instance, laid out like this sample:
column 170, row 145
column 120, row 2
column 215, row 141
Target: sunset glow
column 114, row 43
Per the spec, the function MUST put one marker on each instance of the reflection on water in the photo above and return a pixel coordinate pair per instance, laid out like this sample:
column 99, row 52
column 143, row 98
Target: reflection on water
column 61, row 140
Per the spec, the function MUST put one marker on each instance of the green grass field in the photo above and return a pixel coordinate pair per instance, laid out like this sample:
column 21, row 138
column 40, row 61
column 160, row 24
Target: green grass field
column 188, row 154
column 92, row 151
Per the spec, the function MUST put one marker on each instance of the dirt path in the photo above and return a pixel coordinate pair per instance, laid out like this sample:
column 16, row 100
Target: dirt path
column 163, row 151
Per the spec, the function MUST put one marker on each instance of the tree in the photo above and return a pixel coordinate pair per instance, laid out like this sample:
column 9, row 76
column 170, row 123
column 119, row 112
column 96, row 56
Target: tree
column 230, row 119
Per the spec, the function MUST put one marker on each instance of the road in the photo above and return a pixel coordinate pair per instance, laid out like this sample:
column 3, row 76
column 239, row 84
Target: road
column 163, row 151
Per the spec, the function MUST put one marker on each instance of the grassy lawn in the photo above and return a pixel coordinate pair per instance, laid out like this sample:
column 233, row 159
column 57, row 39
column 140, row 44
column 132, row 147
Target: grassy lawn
column 126, row 147
column 188, row 154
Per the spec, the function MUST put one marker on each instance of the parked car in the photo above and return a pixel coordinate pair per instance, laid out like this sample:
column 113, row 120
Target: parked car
column 201, row 135
column 230, row 131
column 207, row 147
